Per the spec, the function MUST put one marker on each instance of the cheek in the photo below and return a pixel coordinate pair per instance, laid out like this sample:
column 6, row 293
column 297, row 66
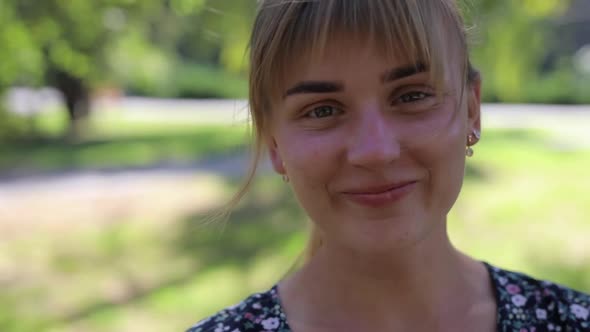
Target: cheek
column 451, row 173
column 450, row 148
column 445, row 160
column 311, row 158
column 312, row 161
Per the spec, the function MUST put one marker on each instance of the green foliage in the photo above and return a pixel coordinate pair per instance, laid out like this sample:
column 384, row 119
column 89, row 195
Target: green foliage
column 512, row 41
column 11, row 126
column 20, row 56
column 141, row 45
column 65, row 35
column 231, row 23
column 562, row 86
column 140, row 66
column 198, row 81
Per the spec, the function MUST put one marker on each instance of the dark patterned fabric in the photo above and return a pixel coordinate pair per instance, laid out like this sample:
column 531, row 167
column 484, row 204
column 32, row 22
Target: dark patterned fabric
column 524, row 304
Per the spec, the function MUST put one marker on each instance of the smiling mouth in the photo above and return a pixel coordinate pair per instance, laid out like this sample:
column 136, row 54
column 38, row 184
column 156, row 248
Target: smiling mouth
column 380, row 196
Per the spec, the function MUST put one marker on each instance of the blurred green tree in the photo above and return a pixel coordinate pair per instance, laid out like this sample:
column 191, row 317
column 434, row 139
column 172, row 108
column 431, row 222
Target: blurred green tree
column 76, row 46
column 515, row 44
column 64, row 43
column 198, row 50
column 67, row 44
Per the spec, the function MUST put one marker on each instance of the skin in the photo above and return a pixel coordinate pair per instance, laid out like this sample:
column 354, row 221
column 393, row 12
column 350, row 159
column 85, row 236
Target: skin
column 387, row 264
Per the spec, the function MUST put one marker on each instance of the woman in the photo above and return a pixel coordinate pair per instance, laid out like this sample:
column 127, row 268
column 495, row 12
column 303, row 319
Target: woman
column 368, row 110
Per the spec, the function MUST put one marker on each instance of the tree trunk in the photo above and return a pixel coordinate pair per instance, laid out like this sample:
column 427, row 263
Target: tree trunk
column 77, row 99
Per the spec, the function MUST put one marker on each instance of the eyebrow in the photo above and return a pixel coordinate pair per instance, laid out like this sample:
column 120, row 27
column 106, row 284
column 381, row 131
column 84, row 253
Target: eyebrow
column 331, row 87
column 403, row 72
column 314, row 87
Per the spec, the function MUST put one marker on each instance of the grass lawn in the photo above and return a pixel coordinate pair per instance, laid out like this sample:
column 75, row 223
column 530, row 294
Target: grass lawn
column 525, row 206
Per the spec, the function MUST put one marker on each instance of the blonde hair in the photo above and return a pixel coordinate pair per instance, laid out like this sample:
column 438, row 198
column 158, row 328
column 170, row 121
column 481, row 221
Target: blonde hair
column 424, row 31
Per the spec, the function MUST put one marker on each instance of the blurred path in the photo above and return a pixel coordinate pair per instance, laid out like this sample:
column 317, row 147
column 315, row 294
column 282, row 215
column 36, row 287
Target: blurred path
column 206, row 111
column 535, row 116
column 53, row 202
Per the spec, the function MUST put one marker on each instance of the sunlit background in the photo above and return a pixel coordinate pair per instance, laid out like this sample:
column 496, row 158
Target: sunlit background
column 123, row 125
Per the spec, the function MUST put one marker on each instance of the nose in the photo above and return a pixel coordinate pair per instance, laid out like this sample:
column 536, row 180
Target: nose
column 373, row 142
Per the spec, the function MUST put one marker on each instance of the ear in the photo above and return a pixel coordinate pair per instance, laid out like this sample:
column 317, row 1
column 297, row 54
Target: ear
column 474, row 107
column 275, row 156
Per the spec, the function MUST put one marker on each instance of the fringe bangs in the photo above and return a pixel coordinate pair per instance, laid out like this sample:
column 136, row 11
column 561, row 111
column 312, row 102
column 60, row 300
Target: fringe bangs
column 417, row 31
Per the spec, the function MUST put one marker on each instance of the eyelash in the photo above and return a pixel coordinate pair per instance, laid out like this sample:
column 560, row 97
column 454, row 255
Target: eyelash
column 422, row 95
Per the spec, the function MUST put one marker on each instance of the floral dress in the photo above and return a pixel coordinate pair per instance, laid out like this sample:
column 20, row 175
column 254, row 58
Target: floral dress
column 524, row 304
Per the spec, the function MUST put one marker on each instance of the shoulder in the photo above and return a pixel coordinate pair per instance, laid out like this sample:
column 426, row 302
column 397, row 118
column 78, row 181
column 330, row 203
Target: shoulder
column 258, row 312
column 524, row 302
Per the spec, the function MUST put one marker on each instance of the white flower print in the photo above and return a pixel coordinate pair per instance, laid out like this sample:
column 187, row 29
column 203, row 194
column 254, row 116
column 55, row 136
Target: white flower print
column 503, row 280
column 270, row 323
column 256, row 305
column 541, row 314
column 518, row 300
column 579, row 311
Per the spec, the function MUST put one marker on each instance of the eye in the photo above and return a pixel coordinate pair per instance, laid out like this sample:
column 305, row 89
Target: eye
column 323, row 111
column 414, row 96
column 415, row 99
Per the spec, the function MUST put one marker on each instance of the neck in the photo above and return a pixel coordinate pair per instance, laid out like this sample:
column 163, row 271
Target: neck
column 417, row 275
column 410, row 284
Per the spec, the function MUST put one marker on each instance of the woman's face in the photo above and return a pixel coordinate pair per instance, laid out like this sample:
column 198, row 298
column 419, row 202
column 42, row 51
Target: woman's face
column 374, row 158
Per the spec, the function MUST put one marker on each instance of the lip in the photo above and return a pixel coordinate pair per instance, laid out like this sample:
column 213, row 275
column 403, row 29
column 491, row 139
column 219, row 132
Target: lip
column 378, row 196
